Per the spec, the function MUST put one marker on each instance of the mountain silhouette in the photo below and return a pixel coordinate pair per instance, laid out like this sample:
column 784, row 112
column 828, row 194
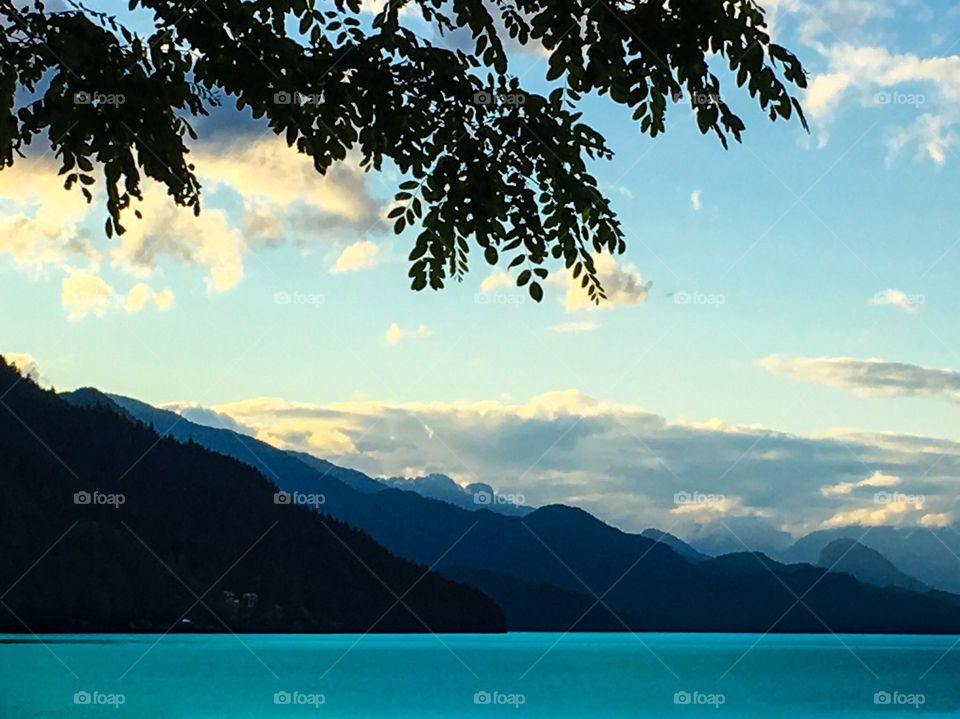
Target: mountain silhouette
column 676, row 544
column 108, row 526
column 560, row 564
column 867, row 565
column 477, row 495
column 928, row 554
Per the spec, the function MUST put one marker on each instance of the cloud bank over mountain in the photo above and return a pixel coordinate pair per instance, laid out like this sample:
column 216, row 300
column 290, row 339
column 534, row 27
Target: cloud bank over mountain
column 632, row 467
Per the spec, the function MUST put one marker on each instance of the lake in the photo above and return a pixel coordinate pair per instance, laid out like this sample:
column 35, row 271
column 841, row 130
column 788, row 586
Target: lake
column 515, row 675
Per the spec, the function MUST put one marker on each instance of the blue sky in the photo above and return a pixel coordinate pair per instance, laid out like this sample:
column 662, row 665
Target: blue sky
column 757, row 282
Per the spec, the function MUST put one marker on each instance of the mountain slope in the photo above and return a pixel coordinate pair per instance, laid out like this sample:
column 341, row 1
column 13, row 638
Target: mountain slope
column 676, row 544
column 867, row 565
column 474, row 496
column 109, row 527
column 563, row 560
column 927, row 554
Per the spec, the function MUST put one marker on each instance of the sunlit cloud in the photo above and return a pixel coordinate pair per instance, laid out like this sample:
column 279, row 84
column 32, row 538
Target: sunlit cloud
column 877, row 479
column 141, row 295
column 83, row 294
column 395, row 333
column 626, row 464
column 276, row 181
column 936, row 519
column 39, row 220
column 360, row 255
column 622, row 283
column 890, row 513
column 25, row 363
column 498, row 279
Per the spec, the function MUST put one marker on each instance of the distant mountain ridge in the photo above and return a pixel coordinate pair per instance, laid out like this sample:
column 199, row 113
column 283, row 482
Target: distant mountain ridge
column 477, row 495
column 557, row 561
column 676, row 544
column 928, row 554
column 867, row 565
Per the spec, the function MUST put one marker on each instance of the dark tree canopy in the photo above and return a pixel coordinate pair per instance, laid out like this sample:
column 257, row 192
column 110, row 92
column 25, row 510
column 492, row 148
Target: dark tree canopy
column 491, row 164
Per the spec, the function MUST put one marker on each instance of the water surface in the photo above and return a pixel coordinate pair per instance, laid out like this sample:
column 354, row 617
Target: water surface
column 515, row 675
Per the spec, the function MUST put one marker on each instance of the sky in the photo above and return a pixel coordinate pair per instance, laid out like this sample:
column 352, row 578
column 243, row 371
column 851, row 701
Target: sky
column 781, row 341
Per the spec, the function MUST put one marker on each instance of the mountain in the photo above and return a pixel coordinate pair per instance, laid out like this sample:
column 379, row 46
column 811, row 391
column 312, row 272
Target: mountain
column 676, row 544
column 474, row 496
column 108, row 526
column 285, row 469
column 928, row 554
column 739, row 534
column 350, row 477
column 648, row 587
column 867, row 565
column 559, row 562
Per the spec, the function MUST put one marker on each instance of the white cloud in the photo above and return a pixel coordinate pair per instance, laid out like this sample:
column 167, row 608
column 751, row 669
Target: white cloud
column 710, row 507
column 815, row 19
column 288, row 425
column 395, row 333
column 140, row 295
column 855, row 70
column 277, row 181
column 39, row 218
column 870, row 377
column 622, row 283
column 822, row 99
column 696, row 200
column 891, row 82
column 897, row 298
column 624, row 463
column 932, row 135
column 207, row 241
column 42, row 225
column 83, row 294
column 823, row 94
column 936, row 519
column 360, row 255
column 876, row 515
column 498, row 279
column 877, row 479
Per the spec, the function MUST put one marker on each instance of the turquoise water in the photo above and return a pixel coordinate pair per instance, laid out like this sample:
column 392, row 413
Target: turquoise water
column 515, row 675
